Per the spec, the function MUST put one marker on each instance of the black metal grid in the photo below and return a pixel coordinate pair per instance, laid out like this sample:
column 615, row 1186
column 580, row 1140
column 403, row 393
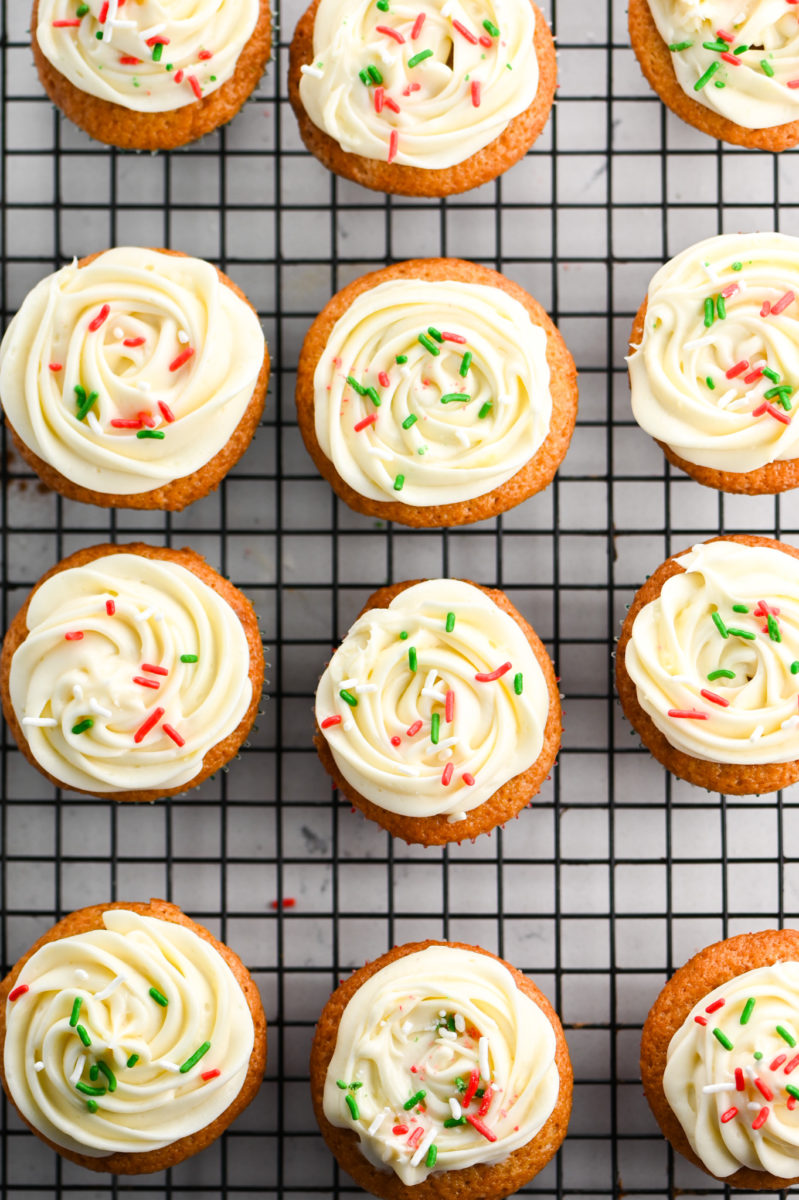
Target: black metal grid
column 617, row 873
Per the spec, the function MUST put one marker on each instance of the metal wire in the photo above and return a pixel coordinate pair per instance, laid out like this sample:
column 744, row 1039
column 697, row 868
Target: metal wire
column 617, row 872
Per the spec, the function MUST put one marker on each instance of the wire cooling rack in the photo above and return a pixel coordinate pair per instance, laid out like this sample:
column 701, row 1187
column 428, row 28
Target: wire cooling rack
column 617, row 872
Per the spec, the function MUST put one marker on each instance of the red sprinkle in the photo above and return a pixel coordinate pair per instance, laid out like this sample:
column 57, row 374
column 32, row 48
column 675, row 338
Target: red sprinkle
column 104, row 11
column 701, row 1020
column 179, row 76
column 492, row 676
column 147, row 419
column 753, row 375
column 764, row 1089
column 73, row 637
column 766, row 309
column 396, row 741
column 139, row 341
column 166, row 411
column 74, row 23
column 119, row 423
column 110, row 607
column 163, row 671
column 330, row 721
column 414, row 729
column 153, row 719
column 730, row 290
column 776, row 413
column 471, row 1088
column 206, row 1075
column 195, row 86
column 792, row 1065
column 738, row 369
column 487, row 1133
column 392, row 104
column 778, row 1061
column 56, row 367
column 379, row 97
column 740, row 1084
column 761, row 1118
column 730, row 58
column 485, row 40
column 392, row 145
column 129, row 60
column 467, row 33
column 446, row 777
column 792, row 1102
column 157, row 40
column 288, row 902
column 392, row 33
column 19, row 991
column 782, row 303
column 476, row 93
column 725, row 37
column 468, row 779
column 370, row 420
column 383, row 379
column 454, row 337
column 485, row 1103
column 792, row 83
column 449, row 706
column 417, row 27
column 416, row 1136
column 171, row 732
column 182, row 359
column 398, row 1129
column 729, row 1114
column 204, row 55
column 142, row 682
column 715, row 1006
column 689, row 713
column 724, row 704
column 100, row 319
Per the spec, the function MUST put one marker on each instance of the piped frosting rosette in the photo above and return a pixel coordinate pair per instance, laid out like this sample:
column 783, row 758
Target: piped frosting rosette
column 715, row 657
column 740, row 59
column 126, row 1038
column 432, row 704
column 732, row 1073
column 132, row 371
column 423, row 84
column 441, row 1062
column 716, row 372
column 149, row 56
column 132, row 670
column 432, row 392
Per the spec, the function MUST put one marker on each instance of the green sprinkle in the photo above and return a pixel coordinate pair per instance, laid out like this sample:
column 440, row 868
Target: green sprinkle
column 83, row 1035
column 399, row 483
column 721, row 1037
column 771, row 374
column 722, row 628
column 741, row 608
column 87, row 404
column 382, row 5
column 451, row 624
column 710, row 384
column 708, row 75
column 451, row 397
column 341, row 1084
column 373, row 396
column 73, row 1020
column 352, row 1106
column 412, row 658
column 786, row 1036
column 490, row 28
column 767, row 67
column 354, row 1086
column 364, row 78
column 99, row 36
column 420, row 57
column 451, row 1122
column 82, row 10
column 156, row 435
column 170, row 66
column 773, row 629
column 83, row 726
column 411, row 420
column 432, row 1155
column 480, row 1093
column 91, row 1105
column 356, row 387
column 414, row 1100
column 758, row 1054
column 348, row 698
column 88, row 1090
column 435, row 726
column 159, row 997
column 782, row 391
column 465, row 361
column 423, row 338
column 435, row 333
column 80, row 392
column 374, row 74
column 518, row 683
column 719, row 83
column 134, row 1058
column 709, row 306
column 747, row 1012
column 109, row 1074
column 404, row 635
column 792, row 1090
column 795, row 668
column 189, row 658
column 402, row 358
column 460, row 1083
column 719, row 46
column 721, row 673
column 158, row 50
column 195, row 1058
column 422, row 450
column 675, row 46
column 737, row 266
column 740, row 50
column 94, row 1071
column 451, row 1023
column 485, row 410
column 721, row 307
column 744, row 633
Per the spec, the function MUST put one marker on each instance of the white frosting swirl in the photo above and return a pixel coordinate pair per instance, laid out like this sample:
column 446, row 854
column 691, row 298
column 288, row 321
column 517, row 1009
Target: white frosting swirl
column 726, row 1125
column 682, row 393
column 176, row 353
column 161, row 612
column 494, row 733
column 417, row 1026
column 677, row 649
column 451, row 450
column 760, row 75
column 110, row 971
column 111, row 51
column 430, row 113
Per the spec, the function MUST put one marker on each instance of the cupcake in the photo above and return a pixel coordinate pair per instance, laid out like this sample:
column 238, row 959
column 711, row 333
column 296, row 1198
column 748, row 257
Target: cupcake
column 441, row 1070
column 718, row 1056
column 730, row 70
column 131, row 1037
column 439, row 715
column 426, row 100
column 707, row 665
column 131, row 672
column 435, row 392
column 715, row 360
column 134, row 379
column 155, row 76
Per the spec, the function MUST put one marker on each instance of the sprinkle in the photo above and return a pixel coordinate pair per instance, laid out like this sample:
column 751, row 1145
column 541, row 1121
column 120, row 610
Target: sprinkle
column 154, row 434
column 709, row 317
column 761, row 1118
column 451, row 1122
column 417, row 27
column 70, row 23
column 446, row 777
column 728, row 1115
column 38, row 1066
column 383, row 379
column 153, row 719
column 188, row 658
column 73, row 637
column 125, row 423
column 416, row 1136
column 351, row 1105
column 491, row 676
column 83, row 726
column 40, row 722
column 718, row 622
column 110, row 607
column 773, row 629
column 166, row 411
column 348, row 698
column 412, row 658
column 414, row 729
column 420, row 57
column 490, row 28
column 435, row 724
column 88, row 1090
column 778, row 1061
column 467, row 33
column 212, row 1074
column 722, row 1038
column 73, row 1020
column 404, row 635
column 792, row 1090
column 411, row 420
column 401, row 358
column 481, row 1127
column 100, row 319
column 449, row 707
column 83, row 1035
column 159, row 997
column 764, row 1089
column 450, row 625
column 392, row 33
column 424, row 339
column 374, row 74
column 468, row 779
column 676, row 46
column 738, row 369
column 485, row 410
column 417, row 1098
column 18, row 991
column 399, row 483
column 740, row 1083
column 370, row 420
column 330, row 721
column 482, row 1058
column 786, row 1036
column 715, row 1006
column 104, row 1069
column 195, row 1057
column 475, row 89
column 393, row 142
column 181, row 359
column 747, row 1012
column 432, row 1155
column 724, row 704
column 143, row 682
column 54, row 366
column 396, row 741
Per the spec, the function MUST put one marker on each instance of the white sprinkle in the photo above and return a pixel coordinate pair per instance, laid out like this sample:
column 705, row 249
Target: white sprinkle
column 449, row 1034
column 712, row 1088
column 365, row 687
column 482, row 1058
column 757, row 734
column 78, row 1070
column 112, row 987
column 432, row 675
column 460, row 1023
column 145, row 616
column 710, row 272
column 94, row 424
column 388, row 58
column 789, row 724
column 347, row 724
column 442, row 1012
column 98, row 709
column 166, row 1066
column 435, row 694
column 183, row 337
column 456, row 817
column 108, row 31
column 40, row 722
column 424, row 1146
column 724, row 400
column 77, row 692
column 306, row 70
column 378, row 1121
column 119, row 333
column 407, row 1027
column 81, row 974
column 455, row 1108
column 379, row 452
column 348, row 683
column 38, row 1066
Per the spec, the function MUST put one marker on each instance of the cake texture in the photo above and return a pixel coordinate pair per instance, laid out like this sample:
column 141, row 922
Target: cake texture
column 423, row 104
column 732, row 76
column 128, row 86
column 134, row 379
column 379, row 386
column 439, row 715
column 714, row 353
column 718, row 1056
column 706, row 665
column 131, row 1037
column 131, row 672
column 429, row 1030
